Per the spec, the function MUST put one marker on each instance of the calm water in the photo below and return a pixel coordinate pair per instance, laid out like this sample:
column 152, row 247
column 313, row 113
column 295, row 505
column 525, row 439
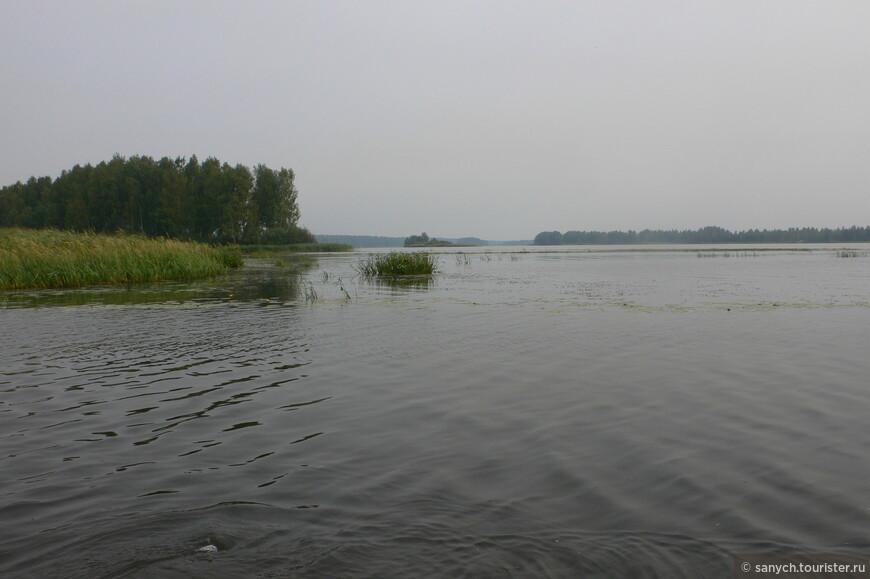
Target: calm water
column 568, row 414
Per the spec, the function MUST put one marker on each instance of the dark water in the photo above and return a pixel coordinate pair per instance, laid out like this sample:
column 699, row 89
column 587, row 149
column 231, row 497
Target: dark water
column 574, row 414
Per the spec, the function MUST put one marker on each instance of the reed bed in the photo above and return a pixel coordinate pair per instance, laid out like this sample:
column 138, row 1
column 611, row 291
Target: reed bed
column 54, row 259
column 397, row 263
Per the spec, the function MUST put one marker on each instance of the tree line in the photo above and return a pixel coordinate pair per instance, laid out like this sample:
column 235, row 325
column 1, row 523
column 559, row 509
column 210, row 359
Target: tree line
column 706, row 235
column 181, row 198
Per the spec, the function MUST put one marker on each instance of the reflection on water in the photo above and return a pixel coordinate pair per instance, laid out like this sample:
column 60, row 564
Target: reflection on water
column 631, row 414
column 403, row 283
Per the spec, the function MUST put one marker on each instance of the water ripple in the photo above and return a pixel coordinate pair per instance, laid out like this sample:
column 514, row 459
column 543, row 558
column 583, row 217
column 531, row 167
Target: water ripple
column 548, row 416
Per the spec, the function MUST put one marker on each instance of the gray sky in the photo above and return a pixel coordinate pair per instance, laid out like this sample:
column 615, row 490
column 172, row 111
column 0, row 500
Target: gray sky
column 495, row 119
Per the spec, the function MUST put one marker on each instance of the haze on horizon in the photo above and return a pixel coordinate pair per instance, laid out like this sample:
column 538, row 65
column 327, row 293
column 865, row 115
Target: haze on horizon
column 495, row 119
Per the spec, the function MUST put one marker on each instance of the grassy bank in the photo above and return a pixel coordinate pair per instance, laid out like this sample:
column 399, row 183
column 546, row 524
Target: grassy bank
column 51, row 258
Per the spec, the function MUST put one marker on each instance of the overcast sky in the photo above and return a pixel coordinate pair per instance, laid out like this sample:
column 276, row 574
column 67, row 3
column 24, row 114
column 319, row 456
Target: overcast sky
column 493, row 119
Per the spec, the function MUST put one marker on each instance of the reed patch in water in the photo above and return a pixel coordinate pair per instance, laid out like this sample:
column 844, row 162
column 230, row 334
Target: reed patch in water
column 850, row 253
column 720, row 253
column 397, row 263
column 53, row 259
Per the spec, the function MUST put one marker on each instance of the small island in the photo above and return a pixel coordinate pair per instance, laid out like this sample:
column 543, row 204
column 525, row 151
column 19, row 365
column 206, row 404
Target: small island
column 423, row 240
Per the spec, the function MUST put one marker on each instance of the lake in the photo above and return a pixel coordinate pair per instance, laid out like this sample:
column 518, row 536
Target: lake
column 528, row 412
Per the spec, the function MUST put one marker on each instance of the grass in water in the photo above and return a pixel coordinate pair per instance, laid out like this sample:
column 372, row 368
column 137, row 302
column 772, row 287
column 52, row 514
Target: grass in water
column 848, row 253
column 53, row 259
column 308, row 292
column 397, row 263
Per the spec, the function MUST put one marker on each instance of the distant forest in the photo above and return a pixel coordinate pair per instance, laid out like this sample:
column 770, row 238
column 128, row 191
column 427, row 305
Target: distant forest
column 380, row 241
column 180, row 198
column 705, row 235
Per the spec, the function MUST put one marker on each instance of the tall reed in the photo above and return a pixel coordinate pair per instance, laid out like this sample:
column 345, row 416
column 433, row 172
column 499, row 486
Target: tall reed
column 849, row 253
column 52, row 258
column 397, row 263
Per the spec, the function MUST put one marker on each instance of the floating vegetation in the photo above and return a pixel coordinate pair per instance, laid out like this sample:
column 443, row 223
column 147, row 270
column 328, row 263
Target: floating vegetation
column 397, row 263
column 50, row 258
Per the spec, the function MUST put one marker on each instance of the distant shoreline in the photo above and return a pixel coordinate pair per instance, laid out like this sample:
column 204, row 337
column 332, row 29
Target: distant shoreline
column 705, row 235
column 385, row 241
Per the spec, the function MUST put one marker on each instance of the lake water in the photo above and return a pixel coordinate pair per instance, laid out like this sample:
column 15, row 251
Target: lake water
column 625, row 412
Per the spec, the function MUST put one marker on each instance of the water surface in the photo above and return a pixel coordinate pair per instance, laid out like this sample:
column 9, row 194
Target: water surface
column 523, row 414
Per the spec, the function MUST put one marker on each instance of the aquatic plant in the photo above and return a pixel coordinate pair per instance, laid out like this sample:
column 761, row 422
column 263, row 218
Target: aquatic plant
column 849, row 253
column 308, row 292
column 51, row 258
column 397, row 263
column 228, row 255
column 341, row 287
column 721, row 253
